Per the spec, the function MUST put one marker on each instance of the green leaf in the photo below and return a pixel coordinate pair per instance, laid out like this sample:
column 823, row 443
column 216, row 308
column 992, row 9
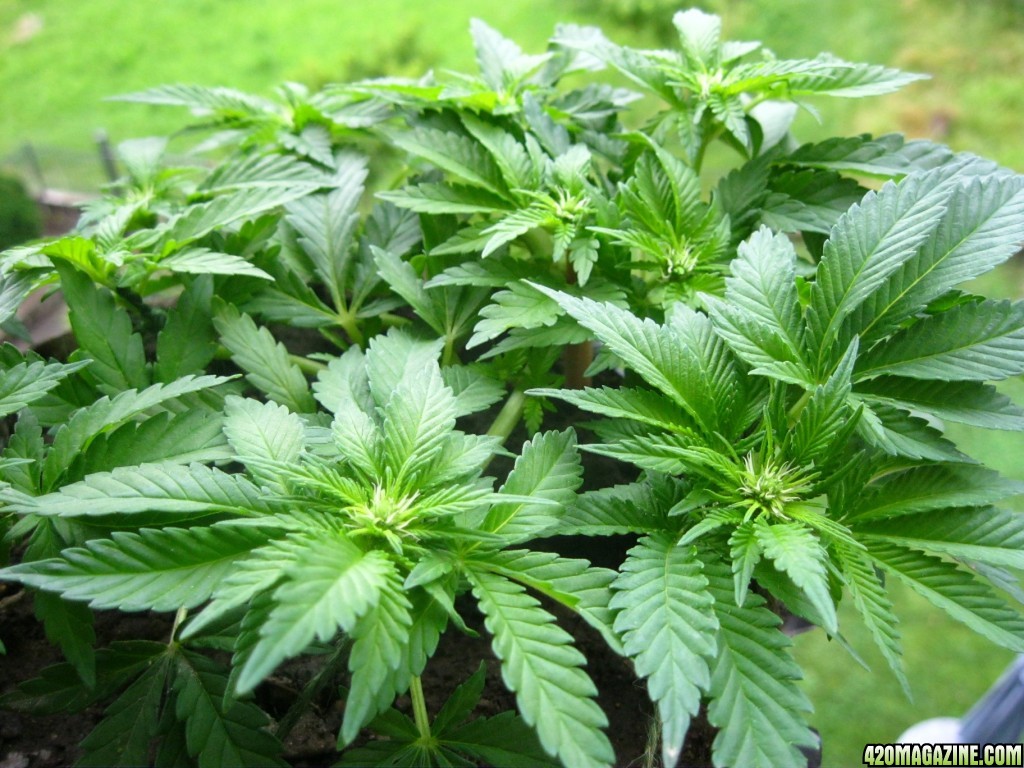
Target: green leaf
column 979, row 232
column 543, row 668
column 517, row 306
column 105, row 414
column 885, row 156
column 979, row 341
column 326, row 225
column 460, row 156
column 755, row 700
column 187, row 342
column 549, row 470
column 637, row 404
column 257, row 574
column 263, row 436
column 395, row 358
column 24, row 383
column 967, row 402
column 633, row 508
column 439, row 199
column 345, row 381
column 504, row 739
column 683, row 359
column 379, row 641
column 170, row 488
column 955, row 591
column 203, row 261
column 219, row 729
column 123, row 736
column 808, row 201
column 474, row 391
column 826, row 416
column 265, row 360
column 850, row 80
column 264, row 170
column 104, row 333
column 59, row 688
column 328, row 586
column 794, row 550
column 461, row 704
column 986, row 534
column 179, row 438
column 242, row 204
column 668, row 629
column 70, row 627
column 874, row 606
column 928, row 488
column 868, row 244
column 745, row 551
column 417, row 419
column 574, row 583
column 160, row 570
column 899, row 433
column 222, row 100
column 761, row 318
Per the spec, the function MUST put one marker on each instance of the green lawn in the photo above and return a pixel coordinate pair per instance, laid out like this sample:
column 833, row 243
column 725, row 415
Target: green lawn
column 52, row 84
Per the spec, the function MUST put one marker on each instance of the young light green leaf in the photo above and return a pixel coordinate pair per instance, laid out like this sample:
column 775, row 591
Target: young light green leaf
column 761, row 318
column 795, row 551
column 148, row 488
column 265, row 360
column 203, row 261
column 416, row 420
column 668, row 629
column 160, row 570
column 540, row 663
column 262, row 436
column 755, row 700
column 874, row 606
column 329, row 586
column 379, row 640
column 549, row 470
column 396, row 357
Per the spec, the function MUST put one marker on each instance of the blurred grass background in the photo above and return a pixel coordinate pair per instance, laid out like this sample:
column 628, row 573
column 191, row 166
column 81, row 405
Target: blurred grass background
column 60, row 58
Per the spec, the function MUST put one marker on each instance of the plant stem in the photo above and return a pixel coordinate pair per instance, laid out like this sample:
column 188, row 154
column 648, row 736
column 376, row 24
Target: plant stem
column 312, row 367
column 179, row 617
column 798, row 407
column 449, row 356
column 576, row 358
column 348, row 322
column 419, row 707
column 509, row 415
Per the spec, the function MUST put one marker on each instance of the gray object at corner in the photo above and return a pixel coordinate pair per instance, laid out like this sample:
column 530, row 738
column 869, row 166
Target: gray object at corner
column 997, row 718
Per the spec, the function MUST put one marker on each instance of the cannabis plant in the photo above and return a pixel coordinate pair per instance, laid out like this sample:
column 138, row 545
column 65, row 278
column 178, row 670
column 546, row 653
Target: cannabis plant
column 300, row 354
column 800, row 426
